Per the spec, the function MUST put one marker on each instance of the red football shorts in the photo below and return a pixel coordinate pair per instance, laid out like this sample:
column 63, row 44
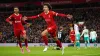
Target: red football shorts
column 52, row 30
column 19, row 32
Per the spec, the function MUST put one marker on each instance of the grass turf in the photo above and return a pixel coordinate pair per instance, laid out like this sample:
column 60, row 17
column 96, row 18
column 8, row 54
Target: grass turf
column 37, row 51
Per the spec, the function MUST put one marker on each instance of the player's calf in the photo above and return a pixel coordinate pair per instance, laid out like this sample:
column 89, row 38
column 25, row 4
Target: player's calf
column 22, row 50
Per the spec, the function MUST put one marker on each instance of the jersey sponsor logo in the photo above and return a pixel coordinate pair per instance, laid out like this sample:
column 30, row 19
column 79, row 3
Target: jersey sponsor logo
column 17, row 21
column 48, row 19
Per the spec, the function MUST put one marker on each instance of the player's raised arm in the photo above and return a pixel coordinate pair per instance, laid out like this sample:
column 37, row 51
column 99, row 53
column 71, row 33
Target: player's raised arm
column 9, row 19
column 63, row 15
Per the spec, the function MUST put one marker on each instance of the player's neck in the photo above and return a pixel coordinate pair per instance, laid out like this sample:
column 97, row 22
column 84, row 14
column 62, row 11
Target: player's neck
column 16, row 14
column 61, row 30
column 71, row 30
column 46, row 12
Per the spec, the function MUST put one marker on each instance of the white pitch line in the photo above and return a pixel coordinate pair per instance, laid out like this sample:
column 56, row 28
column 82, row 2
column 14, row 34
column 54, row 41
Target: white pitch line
column 86, row 54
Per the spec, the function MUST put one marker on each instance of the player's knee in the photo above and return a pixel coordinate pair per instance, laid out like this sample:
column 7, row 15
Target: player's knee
column 55, row 38
column 77, row 41
column 18, row 40
column 24, row 36
column 43, row 34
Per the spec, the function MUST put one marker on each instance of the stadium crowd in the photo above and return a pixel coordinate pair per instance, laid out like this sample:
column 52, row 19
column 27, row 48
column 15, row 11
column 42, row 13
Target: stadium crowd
column 89, row 15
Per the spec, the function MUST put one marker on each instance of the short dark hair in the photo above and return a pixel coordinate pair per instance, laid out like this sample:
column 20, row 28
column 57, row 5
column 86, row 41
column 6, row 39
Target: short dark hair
column 49, row 6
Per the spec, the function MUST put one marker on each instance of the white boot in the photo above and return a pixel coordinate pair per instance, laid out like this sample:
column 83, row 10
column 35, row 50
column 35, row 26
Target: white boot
column 28, row 50
column 45, row 49
column 62, row 50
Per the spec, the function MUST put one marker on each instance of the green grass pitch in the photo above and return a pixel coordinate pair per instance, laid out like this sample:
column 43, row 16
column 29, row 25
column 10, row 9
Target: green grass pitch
column 37, row 51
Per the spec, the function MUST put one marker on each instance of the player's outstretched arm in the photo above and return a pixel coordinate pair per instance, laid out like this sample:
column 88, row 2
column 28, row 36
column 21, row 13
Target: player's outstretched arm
column 33, row 17
column 30, row 17
column 28, row 25
column 63, row 15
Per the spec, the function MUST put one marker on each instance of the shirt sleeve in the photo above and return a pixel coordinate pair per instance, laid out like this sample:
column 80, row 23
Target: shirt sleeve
column 9, row 18
column 59, row 14
column 34, row 17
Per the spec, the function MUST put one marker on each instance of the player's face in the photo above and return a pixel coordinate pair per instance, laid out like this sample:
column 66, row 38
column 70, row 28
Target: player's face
column 71, row 28
column 45, row 8
column 61, row 28
column 16, row 10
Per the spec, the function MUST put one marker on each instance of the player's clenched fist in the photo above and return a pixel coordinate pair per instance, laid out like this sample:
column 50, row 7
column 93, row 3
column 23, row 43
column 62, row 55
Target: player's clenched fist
column 28, row 24
column 10, row 22
column 24, row 18
column 69, row 16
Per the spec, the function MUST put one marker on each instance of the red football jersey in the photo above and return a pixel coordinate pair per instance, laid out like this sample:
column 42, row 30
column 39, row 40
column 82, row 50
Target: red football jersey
column 49, row 17
column 72, row 33
column 16, row 20
column 72, row 36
